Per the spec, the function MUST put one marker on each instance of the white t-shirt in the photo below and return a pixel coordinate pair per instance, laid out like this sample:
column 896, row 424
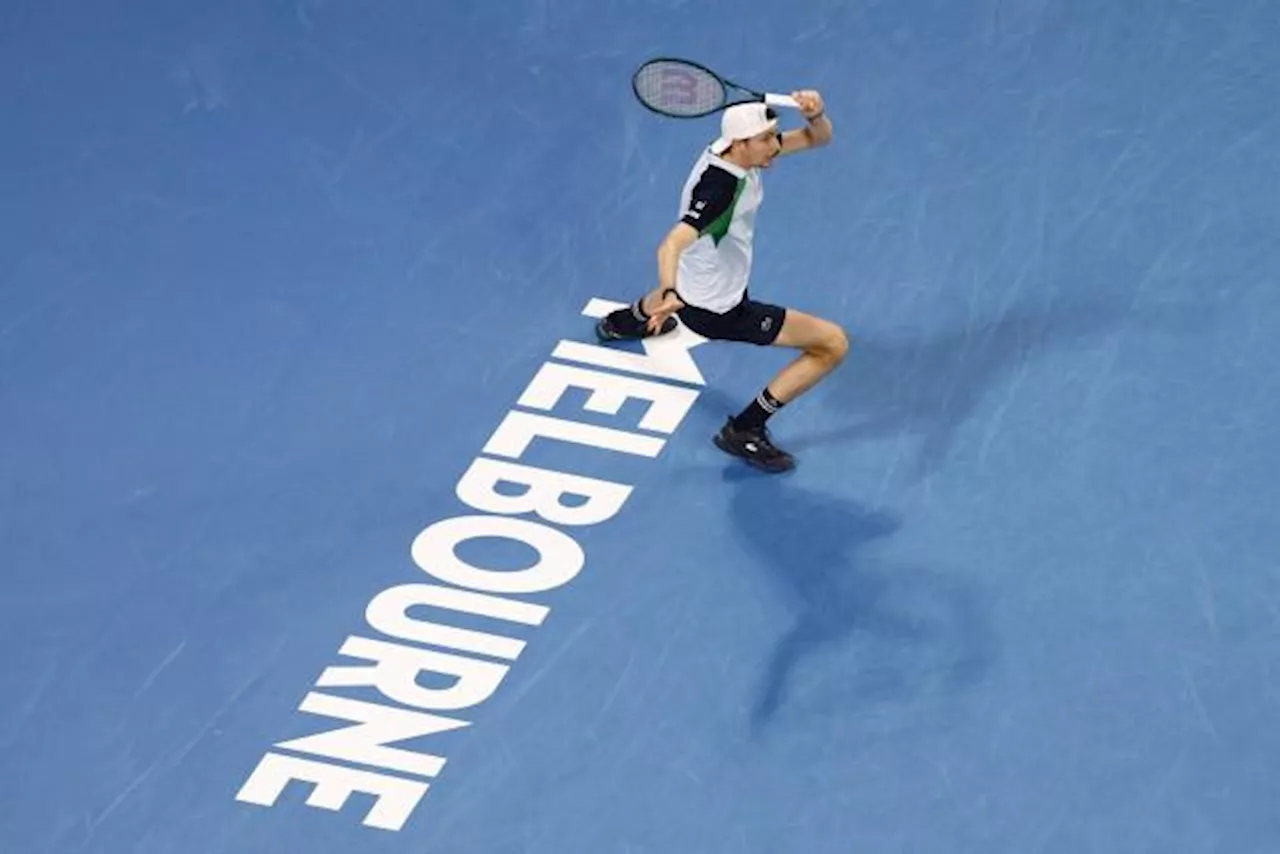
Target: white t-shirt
column 720, row 200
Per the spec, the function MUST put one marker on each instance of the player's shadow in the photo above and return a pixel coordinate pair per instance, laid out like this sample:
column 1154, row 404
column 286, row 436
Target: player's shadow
column 928, row 387
column 908, row 632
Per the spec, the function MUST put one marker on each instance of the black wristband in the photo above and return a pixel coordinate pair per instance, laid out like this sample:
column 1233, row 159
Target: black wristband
column 671, row 291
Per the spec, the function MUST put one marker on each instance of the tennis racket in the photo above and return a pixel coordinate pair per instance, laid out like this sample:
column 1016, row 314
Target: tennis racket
column 686, row 90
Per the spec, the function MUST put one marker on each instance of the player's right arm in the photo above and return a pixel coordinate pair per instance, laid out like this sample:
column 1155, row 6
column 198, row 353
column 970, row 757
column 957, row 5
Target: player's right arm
column 709, row 204
column 711, row 199
column 662, row 301
column 679, row 238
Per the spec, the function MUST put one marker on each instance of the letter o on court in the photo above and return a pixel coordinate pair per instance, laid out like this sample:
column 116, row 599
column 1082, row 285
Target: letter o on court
column 560, row 558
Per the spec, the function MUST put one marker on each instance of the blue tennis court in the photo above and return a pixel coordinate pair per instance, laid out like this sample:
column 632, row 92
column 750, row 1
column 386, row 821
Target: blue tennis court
column 327, row 526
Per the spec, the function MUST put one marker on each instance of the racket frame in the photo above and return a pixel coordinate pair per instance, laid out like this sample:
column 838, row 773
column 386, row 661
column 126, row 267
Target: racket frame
column 772, row 99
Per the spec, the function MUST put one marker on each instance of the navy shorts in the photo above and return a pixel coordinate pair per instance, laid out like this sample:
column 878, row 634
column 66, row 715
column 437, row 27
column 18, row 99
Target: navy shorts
column 749, row 321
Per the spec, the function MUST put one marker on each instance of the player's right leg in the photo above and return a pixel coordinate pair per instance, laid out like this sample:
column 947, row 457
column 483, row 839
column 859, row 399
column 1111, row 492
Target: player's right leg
column 629, row 324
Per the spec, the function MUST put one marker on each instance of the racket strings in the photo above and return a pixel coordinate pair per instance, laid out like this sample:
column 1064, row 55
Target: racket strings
column 679, row 89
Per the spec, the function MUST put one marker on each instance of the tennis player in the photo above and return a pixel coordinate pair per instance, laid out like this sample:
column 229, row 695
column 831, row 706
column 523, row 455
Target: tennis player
column 705, row 261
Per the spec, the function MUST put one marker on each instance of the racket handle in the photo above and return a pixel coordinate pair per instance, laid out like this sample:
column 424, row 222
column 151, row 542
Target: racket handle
column 780, row 101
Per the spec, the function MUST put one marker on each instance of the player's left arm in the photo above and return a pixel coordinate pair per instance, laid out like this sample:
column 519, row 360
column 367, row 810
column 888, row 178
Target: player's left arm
column 817, row 131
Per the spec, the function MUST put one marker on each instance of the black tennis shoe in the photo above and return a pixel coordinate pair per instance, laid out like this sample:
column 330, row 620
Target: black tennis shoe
column 754, row 446
column 608, row 331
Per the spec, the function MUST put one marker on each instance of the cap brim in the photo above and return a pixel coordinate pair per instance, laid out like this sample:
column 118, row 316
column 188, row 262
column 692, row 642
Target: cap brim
column 723, row 143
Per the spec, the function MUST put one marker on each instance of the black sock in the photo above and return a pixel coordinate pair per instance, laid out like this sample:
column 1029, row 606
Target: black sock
column 757, row 411
column 629, row 320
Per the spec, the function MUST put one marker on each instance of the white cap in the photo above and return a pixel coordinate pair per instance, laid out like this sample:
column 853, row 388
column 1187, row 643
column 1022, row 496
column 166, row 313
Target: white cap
column 742, row 121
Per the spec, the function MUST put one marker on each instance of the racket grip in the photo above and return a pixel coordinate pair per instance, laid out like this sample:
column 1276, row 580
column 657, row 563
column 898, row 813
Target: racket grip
column 780, row 101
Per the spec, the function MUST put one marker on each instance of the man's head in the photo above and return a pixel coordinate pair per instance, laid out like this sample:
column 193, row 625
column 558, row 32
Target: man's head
column 748, row 136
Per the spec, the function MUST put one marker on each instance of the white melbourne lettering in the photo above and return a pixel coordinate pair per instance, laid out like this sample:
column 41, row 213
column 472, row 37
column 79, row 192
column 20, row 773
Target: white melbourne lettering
column 477, row 661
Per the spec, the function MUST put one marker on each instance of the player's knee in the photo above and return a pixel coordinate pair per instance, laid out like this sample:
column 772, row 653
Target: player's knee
column 842, row 342
column 835, row 344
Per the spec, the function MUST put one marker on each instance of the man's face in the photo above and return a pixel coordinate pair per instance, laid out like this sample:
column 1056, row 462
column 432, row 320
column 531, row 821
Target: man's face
column 759, row 150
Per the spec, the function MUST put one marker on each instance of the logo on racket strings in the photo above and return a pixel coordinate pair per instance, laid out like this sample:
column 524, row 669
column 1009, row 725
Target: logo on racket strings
column 679, row 87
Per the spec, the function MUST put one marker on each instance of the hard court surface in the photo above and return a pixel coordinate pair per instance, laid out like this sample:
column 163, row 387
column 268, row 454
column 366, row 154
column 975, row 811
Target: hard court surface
column 273, row 277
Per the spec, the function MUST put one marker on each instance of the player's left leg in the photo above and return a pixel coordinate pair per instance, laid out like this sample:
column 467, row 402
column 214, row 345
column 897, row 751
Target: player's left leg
column 823, row 346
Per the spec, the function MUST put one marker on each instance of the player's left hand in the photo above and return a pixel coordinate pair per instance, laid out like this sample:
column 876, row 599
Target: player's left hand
column 810, row 103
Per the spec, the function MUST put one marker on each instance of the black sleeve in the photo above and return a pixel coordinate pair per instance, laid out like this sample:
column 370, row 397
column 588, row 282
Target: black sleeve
column 711, row 197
